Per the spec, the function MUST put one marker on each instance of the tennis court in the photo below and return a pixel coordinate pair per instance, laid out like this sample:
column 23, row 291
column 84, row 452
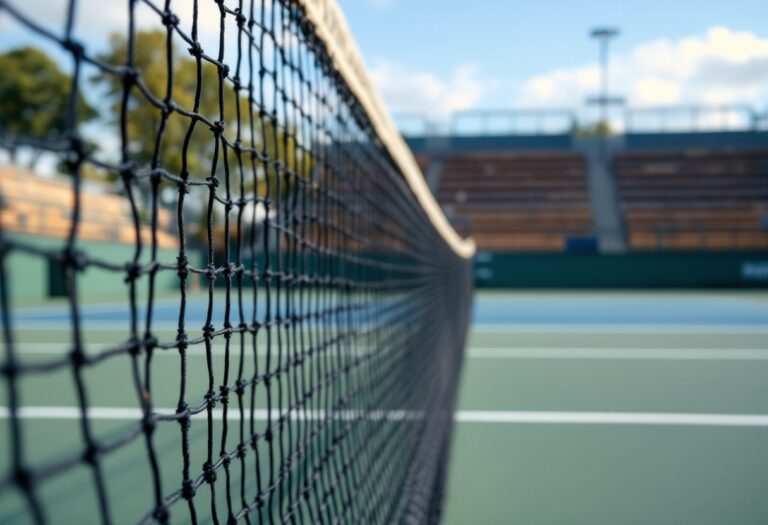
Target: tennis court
column 590, row 408
column 233, row 289
column 574, row 408
column 315, row 381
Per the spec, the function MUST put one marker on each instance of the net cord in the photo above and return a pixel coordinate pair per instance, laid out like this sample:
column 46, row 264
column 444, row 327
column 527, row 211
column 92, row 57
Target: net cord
column 331, row 26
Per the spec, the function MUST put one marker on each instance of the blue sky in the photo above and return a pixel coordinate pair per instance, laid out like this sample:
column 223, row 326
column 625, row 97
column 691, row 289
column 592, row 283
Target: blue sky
column 512, row 53
column 436, row 57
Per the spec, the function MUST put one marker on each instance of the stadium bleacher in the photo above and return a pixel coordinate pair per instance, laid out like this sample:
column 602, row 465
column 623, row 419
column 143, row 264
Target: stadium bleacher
column 42, row 207
column 423, row 161
column 693, row 199
column 517, row 201
column 673, row 191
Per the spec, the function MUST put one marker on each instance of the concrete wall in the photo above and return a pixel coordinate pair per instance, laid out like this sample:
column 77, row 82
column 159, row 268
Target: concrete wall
column 482, row 143
column 701, row 140
column 658, row 141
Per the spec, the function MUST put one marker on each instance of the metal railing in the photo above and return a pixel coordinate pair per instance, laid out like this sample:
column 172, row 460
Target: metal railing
column 513, row 122
column 558, row 121
column 694, row 118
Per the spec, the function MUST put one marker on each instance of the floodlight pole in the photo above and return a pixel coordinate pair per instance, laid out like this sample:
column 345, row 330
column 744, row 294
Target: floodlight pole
column 604, row 36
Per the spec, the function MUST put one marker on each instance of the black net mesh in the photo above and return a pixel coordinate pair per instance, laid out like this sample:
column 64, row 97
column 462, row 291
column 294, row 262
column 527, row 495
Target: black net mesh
column 318, row 379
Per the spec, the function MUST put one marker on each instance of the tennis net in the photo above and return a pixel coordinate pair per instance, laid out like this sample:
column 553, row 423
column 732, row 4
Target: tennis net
column 314, row 375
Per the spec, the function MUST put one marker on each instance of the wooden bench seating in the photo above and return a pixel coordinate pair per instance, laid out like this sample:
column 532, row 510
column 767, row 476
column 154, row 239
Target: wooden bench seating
column 517, row 201
column 700, row 199
column 39, row 206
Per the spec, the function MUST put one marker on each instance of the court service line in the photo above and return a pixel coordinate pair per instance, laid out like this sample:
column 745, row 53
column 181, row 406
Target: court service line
column 613, row 418
column 621, row 328
column 44, row 325
column 616, row 353
column 463, row 416
column 527, row 353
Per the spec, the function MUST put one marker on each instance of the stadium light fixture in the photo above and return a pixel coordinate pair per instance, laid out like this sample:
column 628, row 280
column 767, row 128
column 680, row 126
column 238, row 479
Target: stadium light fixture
column 604, row 36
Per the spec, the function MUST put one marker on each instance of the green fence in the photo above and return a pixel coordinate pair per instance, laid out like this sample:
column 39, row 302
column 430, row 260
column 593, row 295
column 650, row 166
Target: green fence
column 34, row 279
column 630, row 270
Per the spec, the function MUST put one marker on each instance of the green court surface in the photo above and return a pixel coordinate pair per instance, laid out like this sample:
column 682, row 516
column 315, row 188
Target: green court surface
column 668, row 446
column 574, row 409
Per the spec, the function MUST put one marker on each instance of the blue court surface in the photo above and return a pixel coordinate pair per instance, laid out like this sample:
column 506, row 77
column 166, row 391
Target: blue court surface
column 614, row 308
column 491, row 309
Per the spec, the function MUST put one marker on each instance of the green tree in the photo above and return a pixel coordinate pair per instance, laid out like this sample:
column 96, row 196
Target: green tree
column 34, row 98
column 150, row 60
column 144, row 118
column 599, row 129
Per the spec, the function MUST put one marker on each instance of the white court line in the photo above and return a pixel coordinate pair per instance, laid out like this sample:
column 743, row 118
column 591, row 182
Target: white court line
column 565, row 353
column 463, row 416
column 90, row 326
column 65, row 348
column 135, row 414
column 60, row 349
column 542, row 328
column 655, row 354
column 614, row 418
column 597, row 329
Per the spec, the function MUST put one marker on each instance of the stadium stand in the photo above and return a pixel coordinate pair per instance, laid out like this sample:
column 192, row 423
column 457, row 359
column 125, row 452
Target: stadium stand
column 517, row 200
column 652, row 207
column 423, row 161
column 39, row 206
column 694, row 199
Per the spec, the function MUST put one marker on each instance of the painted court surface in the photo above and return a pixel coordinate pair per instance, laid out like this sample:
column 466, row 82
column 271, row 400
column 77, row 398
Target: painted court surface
column 575, row 408
column 613, row 409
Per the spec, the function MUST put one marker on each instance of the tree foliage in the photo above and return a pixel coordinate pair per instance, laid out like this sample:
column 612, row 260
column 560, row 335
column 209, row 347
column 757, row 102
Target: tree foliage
column 150, row 60
column 34, row 102
column 599, row 129
column 34, row 97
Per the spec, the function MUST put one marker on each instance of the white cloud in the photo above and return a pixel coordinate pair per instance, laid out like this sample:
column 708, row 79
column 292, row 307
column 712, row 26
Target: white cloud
column 657, row 89
column 426, row 93
column 96, row 19
column 720, row 67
